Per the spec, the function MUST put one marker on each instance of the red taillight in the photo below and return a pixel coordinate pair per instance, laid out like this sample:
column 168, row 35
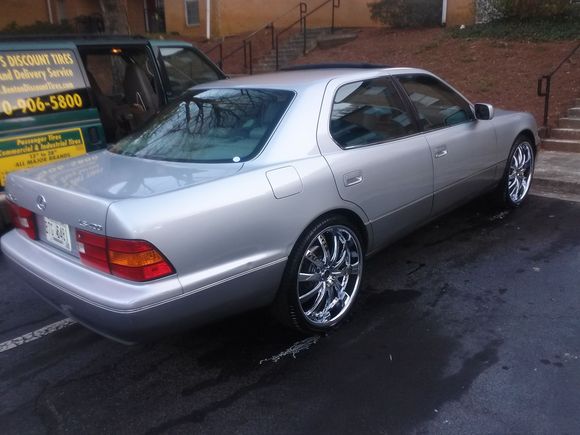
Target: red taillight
column 135, row 260
column 93, row 250
column 23, row 219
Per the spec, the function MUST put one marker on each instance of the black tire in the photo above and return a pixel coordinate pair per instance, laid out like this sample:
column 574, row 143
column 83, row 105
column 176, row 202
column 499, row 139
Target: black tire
column 503, row 194
column 289, row 309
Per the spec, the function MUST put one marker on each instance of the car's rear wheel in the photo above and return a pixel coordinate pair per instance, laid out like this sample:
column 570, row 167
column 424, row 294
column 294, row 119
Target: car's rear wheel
column 517, row 179
column 322, row 277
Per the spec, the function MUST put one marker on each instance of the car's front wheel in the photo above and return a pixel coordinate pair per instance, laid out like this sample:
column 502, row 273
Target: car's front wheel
column 322, row 277
column 518, row 174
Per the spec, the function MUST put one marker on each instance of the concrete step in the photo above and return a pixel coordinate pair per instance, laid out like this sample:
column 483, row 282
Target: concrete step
column 336, row 39
column 564, row 145
column 574, row 112
column 565, row 133
column 569, row 122
column 291, row 49
column 557, row 174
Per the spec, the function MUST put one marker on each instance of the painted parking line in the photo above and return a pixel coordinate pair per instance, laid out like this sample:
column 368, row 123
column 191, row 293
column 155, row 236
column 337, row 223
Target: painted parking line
column 35, row 335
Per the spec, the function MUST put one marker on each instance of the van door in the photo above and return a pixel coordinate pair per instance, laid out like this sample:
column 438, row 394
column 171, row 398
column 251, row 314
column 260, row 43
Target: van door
column 183, row 66
column 46, row 112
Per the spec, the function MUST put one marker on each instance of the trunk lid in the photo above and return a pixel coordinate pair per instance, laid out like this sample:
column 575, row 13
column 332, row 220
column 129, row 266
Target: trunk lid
column 79, row 191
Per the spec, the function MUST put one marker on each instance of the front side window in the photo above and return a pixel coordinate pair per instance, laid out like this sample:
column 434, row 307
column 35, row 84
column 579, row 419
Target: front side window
column 192, row 12
column 438, row 105
column 185, row 68
column 210, row 126
column 367, row 112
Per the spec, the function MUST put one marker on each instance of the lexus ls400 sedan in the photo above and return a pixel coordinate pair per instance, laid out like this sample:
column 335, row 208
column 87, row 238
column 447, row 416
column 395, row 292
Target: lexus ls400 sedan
column 268, row 190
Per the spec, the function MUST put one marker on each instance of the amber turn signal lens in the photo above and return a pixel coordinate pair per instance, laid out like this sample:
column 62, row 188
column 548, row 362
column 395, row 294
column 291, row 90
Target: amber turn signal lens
column 135, row 260
column 138, row 259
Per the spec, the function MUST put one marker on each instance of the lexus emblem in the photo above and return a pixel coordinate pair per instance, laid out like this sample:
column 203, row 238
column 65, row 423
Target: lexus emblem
column 41, row 202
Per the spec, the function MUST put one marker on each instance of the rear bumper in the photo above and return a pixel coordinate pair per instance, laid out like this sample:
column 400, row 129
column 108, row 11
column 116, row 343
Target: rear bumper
column 129, row 312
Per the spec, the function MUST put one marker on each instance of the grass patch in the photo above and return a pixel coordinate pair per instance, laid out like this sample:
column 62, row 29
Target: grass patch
column 429, row 46
column 539, row 29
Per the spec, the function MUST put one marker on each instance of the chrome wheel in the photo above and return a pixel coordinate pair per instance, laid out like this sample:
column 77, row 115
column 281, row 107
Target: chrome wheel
column 329, row 275
column 520, row 172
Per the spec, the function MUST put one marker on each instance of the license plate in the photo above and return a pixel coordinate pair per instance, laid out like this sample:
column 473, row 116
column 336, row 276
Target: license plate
column 57, row 233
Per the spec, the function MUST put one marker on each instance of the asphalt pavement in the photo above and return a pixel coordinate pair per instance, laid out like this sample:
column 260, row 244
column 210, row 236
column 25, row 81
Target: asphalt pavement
column 468, row 326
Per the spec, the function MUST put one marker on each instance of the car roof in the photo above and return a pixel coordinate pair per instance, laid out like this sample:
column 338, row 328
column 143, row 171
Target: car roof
column 297, row 80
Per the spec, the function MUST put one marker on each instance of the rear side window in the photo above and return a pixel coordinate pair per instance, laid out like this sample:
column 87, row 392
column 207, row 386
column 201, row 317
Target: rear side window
column 212, row 126
column 368, row 112
column 185, row 68
column 36, row 82
column 437, row 104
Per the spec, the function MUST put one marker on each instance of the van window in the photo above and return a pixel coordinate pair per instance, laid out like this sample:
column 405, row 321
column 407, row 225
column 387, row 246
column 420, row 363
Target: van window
column 124, row 85
column 185, row 68
column 37, row 82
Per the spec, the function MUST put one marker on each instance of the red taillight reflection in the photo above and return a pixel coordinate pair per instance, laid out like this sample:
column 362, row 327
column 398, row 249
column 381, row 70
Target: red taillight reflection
column 135, row 260
column 23, row 219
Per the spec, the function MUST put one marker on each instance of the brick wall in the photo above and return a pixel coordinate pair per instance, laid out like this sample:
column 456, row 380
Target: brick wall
column 12, row 10
column 25, row 12
column 136, row 16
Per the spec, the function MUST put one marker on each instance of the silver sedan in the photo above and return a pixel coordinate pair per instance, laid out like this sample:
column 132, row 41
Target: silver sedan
column 268, row 190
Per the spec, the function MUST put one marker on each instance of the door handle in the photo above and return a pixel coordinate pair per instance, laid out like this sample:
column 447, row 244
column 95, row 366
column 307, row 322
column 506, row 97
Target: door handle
column 440, row 152
column 352, row 178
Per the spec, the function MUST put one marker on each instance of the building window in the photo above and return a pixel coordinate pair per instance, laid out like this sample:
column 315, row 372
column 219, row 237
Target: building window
column 192, row 12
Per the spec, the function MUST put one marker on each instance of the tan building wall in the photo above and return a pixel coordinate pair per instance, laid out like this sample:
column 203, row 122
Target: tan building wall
column 246, row 15
column 175, row 19
column 460, row 12
column 230, row 17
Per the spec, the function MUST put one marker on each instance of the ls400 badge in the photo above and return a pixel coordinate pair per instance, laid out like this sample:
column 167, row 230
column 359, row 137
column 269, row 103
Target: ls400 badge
column 91, row 226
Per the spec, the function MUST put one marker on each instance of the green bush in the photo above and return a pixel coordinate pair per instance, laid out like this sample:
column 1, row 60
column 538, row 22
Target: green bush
column 406, row 13
column 533, row 8
column 530, row 29
column 38, row 28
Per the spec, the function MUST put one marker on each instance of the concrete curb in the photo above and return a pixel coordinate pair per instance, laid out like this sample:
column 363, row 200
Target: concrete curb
column 557, row 174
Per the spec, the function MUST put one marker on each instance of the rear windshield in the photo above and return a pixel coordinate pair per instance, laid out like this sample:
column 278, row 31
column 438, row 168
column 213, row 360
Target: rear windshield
column 211, row 126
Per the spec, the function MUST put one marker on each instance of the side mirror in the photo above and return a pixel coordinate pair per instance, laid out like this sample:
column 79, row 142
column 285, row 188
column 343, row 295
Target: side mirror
column 484, row 111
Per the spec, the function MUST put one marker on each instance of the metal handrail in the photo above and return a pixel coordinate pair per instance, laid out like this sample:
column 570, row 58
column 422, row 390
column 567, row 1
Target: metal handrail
column 302, row 21
column 219, row 46
column 545, row 90
column 246, row 45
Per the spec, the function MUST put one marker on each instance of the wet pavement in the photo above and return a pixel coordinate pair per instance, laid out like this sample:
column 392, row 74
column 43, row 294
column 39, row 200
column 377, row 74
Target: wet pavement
column 470, row 325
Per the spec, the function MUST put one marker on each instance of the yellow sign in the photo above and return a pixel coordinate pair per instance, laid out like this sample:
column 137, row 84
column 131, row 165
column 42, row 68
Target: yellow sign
column 22, row 152
column 37, row 82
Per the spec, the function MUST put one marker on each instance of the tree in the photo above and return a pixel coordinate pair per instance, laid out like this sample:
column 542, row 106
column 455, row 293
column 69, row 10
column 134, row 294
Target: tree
column 406, row 13
column 115, row 16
